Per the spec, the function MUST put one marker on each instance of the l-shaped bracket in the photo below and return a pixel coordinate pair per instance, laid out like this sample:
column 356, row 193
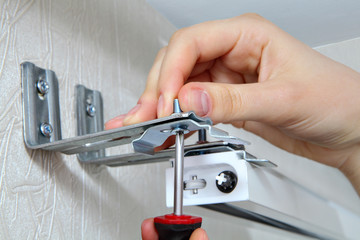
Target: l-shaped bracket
column 42, row 126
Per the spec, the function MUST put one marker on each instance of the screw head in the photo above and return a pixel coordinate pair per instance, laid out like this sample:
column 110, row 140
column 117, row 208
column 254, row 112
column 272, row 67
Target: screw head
column 46, row 129
column 42, row 86
column 179, row 129
column 91, row 110
column 226, row 181
column 195, row 191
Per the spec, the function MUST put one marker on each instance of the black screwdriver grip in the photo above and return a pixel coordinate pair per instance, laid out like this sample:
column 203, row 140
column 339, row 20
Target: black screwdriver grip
column 176, row 231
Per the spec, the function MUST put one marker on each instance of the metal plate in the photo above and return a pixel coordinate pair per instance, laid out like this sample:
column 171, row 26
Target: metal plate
column 163, row 155
column 41, row 105
column 39, row 108
column 190, row 150
column 89, row 116
column 156, row 135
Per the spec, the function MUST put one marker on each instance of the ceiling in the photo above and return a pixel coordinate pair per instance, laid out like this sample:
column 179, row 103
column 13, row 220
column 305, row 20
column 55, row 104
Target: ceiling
column 315, row 22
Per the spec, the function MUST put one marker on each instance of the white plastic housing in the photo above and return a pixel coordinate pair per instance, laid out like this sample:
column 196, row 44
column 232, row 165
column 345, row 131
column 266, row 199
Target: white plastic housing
column 265, row 191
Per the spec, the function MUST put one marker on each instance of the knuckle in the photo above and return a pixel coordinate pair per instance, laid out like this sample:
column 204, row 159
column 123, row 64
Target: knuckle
column 162, row 51
column 231, row 103
column 235, row 104
column 179, row 34
column 253, row 19
column 252, row 16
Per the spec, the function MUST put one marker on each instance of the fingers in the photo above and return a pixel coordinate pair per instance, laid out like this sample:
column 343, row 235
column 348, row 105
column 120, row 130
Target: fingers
column 224, row 51
column 199, row 234
column 262, row 102
column 148, row 231
column 146, row 108
column 205, row 42
column 115, row 122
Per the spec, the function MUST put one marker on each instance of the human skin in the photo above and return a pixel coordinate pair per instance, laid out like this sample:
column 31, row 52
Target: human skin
column 248, row 72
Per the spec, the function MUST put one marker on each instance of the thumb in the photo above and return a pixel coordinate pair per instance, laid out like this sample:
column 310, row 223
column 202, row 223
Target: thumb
column 223, row 102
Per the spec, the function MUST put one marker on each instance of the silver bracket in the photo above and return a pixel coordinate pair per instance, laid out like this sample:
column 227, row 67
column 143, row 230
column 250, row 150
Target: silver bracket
column 41, row 107
column 89, row 116
column 42, row 126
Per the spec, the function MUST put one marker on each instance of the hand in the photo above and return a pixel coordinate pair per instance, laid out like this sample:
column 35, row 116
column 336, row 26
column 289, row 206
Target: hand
column 148, row 232
column 248, row 72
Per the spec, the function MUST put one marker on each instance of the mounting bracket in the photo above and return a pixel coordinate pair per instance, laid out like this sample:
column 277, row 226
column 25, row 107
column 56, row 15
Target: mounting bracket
column 42, row 126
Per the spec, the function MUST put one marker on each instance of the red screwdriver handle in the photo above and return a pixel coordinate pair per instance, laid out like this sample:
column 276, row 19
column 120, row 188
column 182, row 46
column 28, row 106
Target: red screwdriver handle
column 173, row 227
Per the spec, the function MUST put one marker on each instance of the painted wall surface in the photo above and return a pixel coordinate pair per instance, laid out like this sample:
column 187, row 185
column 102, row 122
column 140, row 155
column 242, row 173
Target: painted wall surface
column 107, row 45
column 314, row 22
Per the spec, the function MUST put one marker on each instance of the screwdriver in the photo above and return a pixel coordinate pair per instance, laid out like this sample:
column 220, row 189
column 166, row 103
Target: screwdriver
column 177, row 226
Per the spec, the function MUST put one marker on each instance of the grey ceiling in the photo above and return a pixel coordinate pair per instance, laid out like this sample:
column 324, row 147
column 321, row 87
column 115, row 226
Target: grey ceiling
column 315, row 22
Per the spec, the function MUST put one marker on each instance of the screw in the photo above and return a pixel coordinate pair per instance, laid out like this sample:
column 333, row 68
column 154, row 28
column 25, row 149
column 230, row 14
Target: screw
column 194, row 184
column 226, row 181
column 179, row 129
column 91, row 110
column 42, row 86
column 176, row 105
column 202, row 136
column 46, row 129
column 195, row 191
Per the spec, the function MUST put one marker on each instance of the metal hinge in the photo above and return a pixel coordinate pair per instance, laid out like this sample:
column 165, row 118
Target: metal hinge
column 42, row 126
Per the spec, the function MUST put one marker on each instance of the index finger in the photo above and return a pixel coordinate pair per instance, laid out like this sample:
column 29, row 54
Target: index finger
column 204, row 42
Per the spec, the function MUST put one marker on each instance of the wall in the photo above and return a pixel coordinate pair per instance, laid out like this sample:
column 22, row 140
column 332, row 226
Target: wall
column 107, row 45
column 314, row 22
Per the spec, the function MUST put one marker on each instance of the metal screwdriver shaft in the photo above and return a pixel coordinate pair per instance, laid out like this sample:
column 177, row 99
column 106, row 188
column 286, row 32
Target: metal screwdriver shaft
column 177, row 226
column 178, row 166
column 178, row 176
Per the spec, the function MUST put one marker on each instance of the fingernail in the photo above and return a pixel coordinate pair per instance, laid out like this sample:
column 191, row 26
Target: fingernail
column 132, row 112
column 200, row 101
column 160, row 105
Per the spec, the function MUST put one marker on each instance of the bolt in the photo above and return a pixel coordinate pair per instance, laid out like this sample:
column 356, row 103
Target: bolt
column 91, row 110
column 202, row 136
column 195, row 191
column 226, row 181
column 176, row 105
column 194, row 184
column 46, row 129
column 42, row 86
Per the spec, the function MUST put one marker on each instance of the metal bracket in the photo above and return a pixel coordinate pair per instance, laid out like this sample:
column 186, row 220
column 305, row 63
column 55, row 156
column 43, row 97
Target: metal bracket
column 41, row 108
column 90, row 118
column 42, row 126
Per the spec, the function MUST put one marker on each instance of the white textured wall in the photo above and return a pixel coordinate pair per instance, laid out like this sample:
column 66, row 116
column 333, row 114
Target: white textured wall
column 107, row 45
